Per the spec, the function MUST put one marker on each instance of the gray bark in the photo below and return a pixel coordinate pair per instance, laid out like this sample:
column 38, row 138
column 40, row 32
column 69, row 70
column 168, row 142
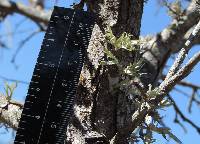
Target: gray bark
column 107, row 114
column 100, row 113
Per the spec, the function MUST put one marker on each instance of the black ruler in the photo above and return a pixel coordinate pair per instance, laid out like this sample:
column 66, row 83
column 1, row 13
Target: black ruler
column 49, row 103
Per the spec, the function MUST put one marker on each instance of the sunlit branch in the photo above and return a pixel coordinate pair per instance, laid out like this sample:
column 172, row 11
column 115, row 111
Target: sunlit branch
column 30, row 12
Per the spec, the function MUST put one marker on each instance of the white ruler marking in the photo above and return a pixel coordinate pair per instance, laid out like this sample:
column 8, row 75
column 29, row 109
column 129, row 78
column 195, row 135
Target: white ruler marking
column 54, row 80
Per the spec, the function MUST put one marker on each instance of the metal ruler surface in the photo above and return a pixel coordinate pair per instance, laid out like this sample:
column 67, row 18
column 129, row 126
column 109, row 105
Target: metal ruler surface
column 49, row 102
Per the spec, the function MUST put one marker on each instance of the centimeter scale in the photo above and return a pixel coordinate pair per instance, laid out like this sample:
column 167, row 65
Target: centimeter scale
column 49, row 103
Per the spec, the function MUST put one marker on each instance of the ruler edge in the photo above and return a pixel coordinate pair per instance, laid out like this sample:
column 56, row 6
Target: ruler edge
column 90, row 15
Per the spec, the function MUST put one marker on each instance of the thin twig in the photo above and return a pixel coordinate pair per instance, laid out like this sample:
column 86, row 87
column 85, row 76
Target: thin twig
column 185, row 70
column 187, row 95
column 22, row 43
column 13, row 80
column 188, row 84
column 185, row 83
column 19, row 24
column 184, row 118
column 15, row 33
column 194, row 88
column 176, row 120
column 192, row 97
column 3, row 45
column 183, row 53
column 170, row 82
column 181, row 92
column 194, row 92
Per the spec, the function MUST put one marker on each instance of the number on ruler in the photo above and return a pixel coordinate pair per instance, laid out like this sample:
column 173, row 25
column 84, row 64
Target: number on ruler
column 53, row 125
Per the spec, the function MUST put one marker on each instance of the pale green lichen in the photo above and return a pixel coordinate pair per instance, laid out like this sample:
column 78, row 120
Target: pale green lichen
column 129, row 83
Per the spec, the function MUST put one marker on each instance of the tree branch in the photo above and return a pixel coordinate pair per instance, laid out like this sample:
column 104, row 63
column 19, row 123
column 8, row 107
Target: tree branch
column 184, row 118
column 38, row 16
column 188, row 84
column 13, row 80
column 165, row 87
column 184, row 83
column 182, row 54
column 182, row 73
column 157, row 49
column 10, row 112
column 192, row 98
column 22, row 43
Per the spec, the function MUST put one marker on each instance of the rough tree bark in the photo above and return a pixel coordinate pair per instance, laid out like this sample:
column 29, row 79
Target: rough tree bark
column 102, row 115
column 99, row 113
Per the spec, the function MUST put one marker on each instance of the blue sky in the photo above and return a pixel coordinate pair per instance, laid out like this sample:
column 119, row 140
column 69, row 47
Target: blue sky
column 154, row 20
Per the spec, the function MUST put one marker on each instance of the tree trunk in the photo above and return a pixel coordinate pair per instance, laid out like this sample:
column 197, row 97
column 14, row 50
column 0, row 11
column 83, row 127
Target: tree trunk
column 100, row 113
column 103, row 114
